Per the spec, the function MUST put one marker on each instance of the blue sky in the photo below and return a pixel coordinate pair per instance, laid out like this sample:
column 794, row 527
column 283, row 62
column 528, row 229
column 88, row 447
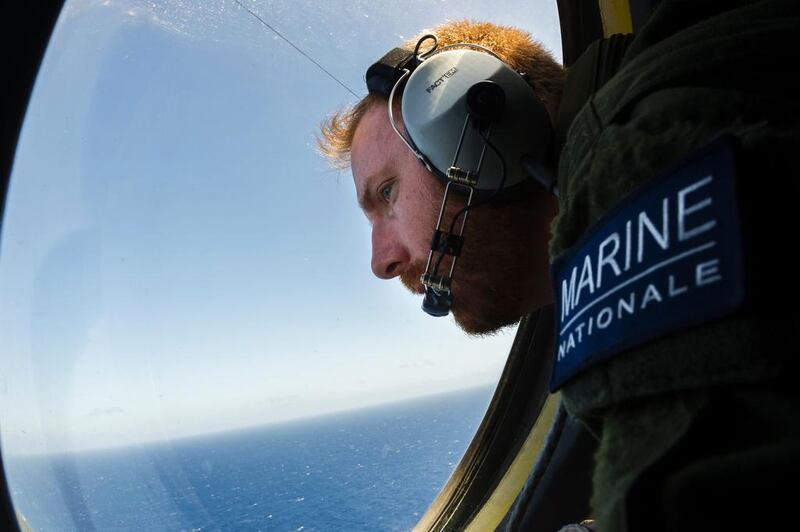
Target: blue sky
column 176, row 258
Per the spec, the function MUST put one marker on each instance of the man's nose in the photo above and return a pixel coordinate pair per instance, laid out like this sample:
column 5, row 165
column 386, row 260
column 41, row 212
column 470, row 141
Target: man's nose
column 390, row 257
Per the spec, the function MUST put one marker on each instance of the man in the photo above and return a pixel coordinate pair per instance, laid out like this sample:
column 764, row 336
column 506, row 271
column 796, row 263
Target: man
column 696, row 406
column 502, row 273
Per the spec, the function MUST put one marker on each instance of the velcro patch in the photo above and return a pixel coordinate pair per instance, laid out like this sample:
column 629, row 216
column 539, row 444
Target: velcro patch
column 667, row 258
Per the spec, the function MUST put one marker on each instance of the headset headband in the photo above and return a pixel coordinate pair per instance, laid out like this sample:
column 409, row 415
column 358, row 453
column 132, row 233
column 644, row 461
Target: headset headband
column 384, row 74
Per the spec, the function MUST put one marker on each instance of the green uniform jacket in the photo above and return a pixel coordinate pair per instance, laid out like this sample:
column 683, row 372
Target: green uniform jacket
column 698, row 427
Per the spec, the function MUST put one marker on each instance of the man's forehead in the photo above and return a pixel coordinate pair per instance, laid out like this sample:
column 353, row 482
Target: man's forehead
column 372, row 135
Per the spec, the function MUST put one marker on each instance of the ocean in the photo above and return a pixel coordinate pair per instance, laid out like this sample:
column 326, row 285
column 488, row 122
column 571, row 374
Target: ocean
column 375, row 469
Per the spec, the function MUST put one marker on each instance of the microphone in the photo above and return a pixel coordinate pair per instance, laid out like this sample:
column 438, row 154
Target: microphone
column 485, row 102
column 437, row 303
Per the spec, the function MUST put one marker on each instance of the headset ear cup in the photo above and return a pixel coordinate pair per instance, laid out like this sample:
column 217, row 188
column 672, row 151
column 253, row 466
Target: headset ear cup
column 452, row 85
column 485, row 102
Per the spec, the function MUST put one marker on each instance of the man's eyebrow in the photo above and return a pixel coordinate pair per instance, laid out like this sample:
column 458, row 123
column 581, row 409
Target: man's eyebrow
column 366, row 198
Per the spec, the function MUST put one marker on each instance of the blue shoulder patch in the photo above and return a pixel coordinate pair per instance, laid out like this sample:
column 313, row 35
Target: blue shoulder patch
column 667, row 258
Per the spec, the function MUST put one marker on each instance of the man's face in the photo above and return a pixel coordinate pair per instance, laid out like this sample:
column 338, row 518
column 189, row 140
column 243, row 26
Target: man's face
column 502, row 271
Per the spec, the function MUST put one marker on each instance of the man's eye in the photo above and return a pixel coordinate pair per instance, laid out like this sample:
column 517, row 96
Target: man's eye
column 386, row 192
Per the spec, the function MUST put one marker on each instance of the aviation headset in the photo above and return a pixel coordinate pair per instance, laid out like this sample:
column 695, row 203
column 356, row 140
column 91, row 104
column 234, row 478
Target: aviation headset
column 475, row 123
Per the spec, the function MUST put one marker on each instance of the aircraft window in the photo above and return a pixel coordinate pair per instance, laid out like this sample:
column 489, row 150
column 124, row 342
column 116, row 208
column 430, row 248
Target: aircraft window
column 192, row 336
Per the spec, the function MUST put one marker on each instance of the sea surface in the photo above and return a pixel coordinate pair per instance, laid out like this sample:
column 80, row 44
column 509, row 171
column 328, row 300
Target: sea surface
column 374, row 469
